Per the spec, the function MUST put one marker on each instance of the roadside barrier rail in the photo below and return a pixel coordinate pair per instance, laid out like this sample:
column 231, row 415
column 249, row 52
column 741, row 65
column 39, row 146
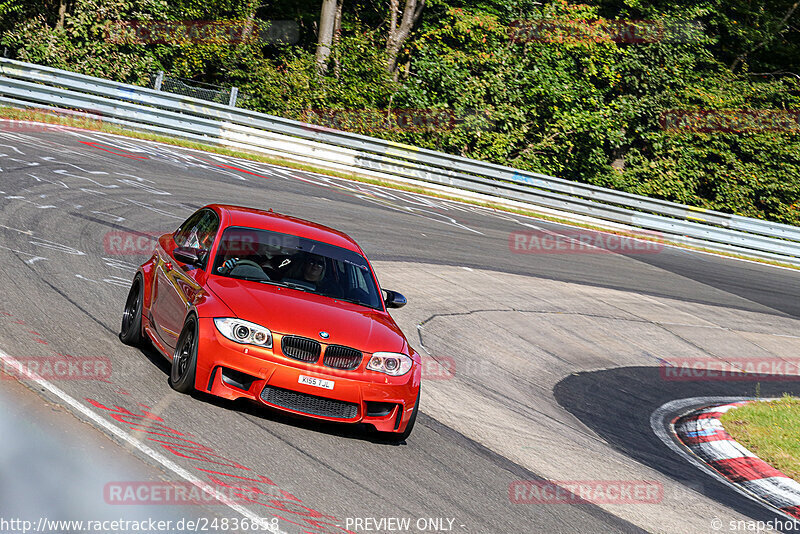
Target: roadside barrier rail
column 35, row 86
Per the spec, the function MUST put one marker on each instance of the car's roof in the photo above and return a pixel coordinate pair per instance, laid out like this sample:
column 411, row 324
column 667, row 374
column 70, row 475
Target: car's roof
column 285, row 224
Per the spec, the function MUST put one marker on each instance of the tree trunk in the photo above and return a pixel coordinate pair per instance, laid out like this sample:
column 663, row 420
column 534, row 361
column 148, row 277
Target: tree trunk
column 337, row 30
column 247, row 31
column 327, row 21
column 399, row 33
column 62, row 13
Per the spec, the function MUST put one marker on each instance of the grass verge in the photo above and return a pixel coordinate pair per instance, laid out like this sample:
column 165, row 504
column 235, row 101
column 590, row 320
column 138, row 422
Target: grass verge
column 99, row 125
column 771, row 430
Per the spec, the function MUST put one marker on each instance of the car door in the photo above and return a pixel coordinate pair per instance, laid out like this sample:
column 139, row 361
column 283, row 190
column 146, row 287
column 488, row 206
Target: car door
column 177, row 284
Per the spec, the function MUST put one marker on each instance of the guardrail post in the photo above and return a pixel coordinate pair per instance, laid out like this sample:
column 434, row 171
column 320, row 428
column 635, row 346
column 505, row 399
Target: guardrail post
column 159, row 80
column 234, row 94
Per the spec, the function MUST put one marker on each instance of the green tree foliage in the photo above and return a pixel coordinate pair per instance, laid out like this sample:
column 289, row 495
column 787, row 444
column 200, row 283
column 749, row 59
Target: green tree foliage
column 474, row 82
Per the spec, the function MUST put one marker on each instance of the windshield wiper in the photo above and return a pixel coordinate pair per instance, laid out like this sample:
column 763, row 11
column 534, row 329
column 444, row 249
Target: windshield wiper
column 343, row 299
column 248, row 278
column 299, row 287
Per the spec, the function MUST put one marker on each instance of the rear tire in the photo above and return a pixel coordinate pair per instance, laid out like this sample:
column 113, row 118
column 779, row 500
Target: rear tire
column 184, row 361
column 131, row 329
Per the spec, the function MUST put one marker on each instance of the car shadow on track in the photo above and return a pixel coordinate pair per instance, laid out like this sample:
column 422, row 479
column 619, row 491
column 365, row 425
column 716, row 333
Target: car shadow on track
column 155, row 357
column 355, row 431
column 617, row 405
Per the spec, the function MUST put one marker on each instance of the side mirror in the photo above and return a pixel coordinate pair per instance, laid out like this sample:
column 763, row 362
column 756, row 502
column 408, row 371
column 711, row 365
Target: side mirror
column 188, row 255
column 394, row 299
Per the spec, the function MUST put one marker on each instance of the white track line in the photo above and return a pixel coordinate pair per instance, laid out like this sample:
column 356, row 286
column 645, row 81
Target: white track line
column 133, row 442
column 632, row 229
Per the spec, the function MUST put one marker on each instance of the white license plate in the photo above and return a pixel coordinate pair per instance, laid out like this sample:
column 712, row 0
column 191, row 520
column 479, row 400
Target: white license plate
column 316, row 382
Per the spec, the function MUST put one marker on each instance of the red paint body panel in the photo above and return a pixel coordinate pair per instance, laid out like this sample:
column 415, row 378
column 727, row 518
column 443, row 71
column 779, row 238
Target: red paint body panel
column 174, row 290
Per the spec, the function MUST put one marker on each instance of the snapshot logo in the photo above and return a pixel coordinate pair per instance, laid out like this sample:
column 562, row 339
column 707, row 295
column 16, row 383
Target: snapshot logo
column 751, row 525
column 60, row 367
column 581, row 242
column 738, row 121
column 586, row 491
column 173, row 494
column 711, row 369
column 409, row 120
column 603, row 31
column 207, row 32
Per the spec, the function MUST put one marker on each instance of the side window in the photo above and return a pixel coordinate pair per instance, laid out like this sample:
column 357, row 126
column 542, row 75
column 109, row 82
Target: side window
column 198, row 231
column 182, row 233
column 206, row 230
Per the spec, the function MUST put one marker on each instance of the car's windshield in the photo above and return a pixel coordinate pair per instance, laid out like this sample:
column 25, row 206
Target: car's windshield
column 298, row 263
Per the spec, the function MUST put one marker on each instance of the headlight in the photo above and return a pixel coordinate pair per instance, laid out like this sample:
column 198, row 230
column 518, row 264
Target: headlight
column 244, row 332
column 391, row 363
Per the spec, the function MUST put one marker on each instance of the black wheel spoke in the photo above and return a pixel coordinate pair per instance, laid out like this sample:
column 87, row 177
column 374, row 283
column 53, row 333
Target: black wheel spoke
column 184, row 355
column 130, row 331
column 182, row 374
column 131, row 306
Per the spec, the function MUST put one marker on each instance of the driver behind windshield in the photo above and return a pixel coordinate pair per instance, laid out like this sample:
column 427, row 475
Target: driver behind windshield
column 309, row 270
column 313, row 268
column 260, row 256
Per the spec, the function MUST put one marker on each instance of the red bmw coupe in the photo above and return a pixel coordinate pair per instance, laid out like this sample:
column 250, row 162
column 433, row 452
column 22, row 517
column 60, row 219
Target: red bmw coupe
column 283, row 311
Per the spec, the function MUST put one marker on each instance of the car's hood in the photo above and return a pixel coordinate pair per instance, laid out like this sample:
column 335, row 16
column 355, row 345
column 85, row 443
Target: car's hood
column 289, row 311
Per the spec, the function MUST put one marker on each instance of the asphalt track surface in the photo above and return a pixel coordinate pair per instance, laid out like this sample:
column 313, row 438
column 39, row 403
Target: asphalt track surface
column 66, row 195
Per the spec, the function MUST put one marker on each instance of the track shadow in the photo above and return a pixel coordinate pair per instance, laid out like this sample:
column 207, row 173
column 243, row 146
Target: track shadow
column 355, row 431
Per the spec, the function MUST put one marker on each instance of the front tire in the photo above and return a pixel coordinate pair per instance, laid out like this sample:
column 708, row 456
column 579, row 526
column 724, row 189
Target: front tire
column 400, row 437
column 184, row 361
column 131, row 330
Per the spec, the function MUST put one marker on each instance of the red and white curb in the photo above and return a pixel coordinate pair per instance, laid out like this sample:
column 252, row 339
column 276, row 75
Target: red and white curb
column 702, row 432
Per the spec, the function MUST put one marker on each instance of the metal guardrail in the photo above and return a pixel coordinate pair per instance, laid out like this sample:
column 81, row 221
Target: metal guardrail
column 28, row 85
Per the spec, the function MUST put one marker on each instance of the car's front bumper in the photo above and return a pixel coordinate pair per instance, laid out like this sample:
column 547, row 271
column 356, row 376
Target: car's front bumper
column 268, row 377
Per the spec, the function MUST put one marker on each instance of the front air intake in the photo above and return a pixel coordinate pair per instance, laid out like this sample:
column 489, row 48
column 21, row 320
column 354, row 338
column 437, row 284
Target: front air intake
column 309, row 404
